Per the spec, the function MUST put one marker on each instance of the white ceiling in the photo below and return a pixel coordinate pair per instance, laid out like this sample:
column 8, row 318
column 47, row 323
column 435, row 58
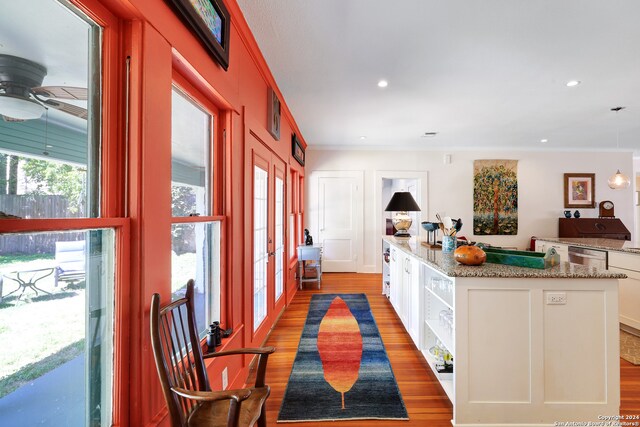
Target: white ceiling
column 46, row 32
column 483, row 74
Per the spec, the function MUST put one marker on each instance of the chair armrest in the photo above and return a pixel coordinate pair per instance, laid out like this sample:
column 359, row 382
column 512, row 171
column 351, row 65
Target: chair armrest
column 257, row 350
column 210, row 396
column 264, row 353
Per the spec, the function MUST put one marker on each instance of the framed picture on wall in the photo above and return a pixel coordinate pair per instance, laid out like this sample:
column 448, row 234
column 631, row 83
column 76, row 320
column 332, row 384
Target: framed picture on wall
column 579, row 190
column 209, row 20
column 297, row 150
column 273, row 114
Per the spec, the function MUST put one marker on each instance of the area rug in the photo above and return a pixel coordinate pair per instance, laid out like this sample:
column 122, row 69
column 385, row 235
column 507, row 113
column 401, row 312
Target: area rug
column 341, row 371
column 630, row 347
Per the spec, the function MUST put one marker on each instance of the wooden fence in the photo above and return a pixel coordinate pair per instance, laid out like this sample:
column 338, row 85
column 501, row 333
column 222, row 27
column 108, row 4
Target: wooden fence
column 35, row 206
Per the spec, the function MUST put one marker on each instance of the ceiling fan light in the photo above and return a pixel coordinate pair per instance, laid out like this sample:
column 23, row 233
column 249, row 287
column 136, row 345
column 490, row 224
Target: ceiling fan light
column 20, row 108
column 619, row 181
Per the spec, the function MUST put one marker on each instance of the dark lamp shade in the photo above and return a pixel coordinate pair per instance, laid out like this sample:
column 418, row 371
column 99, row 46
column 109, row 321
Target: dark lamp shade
column 402, row 201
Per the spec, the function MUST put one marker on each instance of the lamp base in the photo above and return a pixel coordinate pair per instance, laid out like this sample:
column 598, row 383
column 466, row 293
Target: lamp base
column 402, row 222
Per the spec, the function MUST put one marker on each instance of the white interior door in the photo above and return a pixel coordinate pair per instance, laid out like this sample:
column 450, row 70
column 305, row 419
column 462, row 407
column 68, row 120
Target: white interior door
column 339, row 220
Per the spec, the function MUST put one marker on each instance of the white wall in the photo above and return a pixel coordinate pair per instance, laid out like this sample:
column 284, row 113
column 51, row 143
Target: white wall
column 449, row 189
column 635, row 184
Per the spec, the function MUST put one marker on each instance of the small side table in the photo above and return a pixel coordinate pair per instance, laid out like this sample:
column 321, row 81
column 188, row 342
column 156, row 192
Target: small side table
column 309, row 258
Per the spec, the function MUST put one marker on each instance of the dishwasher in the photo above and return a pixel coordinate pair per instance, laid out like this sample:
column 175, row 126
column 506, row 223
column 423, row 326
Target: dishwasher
column 588, row 257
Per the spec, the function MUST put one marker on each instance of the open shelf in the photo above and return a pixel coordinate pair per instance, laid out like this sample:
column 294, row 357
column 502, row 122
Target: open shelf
column 443, row 335
column 445, row 380
column 428, row 289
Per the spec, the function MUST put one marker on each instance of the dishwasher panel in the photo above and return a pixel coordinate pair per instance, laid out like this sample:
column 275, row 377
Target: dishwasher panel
column 588, row 257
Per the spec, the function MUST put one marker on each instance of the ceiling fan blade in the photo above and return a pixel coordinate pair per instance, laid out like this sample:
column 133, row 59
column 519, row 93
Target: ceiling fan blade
column 61, row 92
column 67, row 108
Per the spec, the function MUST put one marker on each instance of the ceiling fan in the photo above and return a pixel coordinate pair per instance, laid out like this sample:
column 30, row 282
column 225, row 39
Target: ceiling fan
column 23, row 98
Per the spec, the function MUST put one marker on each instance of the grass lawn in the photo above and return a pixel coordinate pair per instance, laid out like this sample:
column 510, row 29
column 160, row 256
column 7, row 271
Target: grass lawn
column 38, row 333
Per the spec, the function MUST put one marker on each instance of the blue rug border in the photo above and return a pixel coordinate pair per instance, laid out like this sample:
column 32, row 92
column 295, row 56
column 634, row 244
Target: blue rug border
column 384, row 347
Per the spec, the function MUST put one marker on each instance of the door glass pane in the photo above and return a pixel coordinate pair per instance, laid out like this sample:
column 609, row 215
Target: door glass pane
column 195, row 254
column 260, row 255
column 49, row 111
column 190, row 141
column 56, row 326
column 279, row 236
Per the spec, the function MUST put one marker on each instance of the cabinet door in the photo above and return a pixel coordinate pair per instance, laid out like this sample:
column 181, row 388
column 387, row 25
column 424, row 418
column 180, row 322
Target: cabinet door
column 413, row 303
column 629, row 295
column 404, row 292
column 394, row 277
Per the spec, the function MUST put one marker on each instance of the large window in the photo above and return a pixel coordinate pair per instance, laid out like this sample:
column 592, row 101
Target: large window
column 49, row 129
column 195, row 234
column 56, row 287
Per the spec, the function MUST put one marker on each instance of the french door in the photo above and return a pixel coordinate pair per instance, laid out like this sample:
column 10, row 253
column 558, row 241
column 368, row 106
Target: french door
column 267, row 230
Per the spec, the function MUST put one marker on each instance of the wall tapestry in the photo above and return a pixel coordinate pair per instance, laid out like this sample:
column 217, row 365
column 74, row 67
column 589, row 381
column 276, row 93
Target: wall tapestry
column 495, row 197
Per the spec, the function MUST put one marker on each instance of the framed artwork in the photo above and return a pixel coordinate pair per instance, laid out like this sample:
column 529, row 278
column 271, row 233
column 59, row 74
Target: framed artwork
column 495, row 197
column 579, row 190
column 273, row 114
column 209, row 20
column 297, row 150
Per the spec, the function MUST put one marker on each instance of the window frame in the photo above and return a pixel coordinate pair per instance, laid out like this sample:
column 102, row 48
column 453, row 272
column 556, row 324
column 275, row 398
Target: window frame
column 215, row 176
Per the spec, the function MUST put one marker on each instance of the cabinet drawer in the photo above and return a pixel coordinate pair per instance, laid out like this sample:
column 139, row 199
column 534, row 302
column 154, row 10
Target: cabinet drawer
column 624, row 260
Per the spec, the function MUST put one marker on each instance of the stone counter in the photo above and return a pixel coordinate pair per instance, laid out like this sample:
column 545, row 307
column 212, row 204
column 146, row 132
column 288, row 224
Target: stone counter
column 445, row 264
column 596, row 243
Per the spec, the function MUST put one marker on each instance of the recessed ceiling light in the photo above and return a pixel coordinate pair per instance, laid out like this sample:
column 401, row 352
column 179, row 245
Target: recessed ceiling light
column 383, row 83
column 363, row 137
column 429, row 134
column 573, row 83
column 544, row 141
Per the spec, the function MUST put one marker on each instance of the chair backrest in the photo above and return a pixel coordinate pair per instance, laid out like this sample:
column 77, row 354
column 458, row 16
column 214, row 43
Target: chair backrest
column 176, row 348
column 70, row 256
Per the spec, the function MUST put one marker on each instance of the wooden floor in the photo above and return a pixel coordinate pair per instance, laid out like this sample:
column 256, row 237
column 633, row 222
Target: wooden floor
column 426, row 402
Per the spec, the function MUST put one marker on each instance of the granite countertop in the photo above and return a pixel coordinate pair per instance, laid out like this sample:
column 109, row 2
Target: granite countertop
column 446, row 264
column 596, row 243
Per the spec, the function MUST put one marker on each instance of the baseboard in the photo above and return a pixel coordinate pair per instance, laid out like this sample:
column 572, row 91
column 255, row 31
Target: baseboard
column 368, row 269
column 630, row 329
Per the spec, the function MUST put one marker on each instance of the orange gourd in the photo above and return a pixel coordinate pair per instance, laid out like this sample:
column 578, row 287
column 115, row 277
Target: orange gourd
column 470, row 255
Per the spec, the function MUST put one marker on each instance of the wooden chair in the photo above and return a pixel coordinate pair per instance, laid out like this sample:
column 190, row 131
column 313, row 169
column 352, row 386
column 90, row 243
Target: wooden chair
column 184, row 376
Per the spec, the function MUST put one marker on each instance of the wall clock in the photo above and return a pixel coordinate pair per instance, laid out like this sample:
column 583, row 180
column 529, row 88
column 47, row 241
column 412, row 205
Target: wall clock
column 606, row 209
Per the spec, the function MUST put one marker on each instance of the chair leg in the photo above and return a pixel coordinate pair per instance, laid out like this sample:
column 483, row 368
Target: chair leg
column 262, row 421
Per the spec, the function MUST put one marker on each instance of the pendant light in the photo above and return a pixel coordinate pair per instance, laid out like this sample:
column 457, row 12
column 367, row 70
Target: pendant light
column 618, row 181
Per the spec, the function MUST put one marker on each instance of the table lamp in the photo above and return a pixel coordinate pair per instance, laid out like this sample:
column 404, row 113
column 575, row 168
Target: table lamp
column 402, row 202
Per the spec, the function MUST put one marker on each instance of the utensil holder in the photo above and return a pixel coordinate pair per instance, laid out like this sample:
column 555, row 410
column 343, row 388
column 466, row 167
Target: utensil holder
column 449, row 244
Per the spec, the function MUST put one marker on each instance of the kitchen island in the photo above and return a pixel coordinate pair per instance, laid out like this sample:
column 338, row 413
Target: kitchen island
column 530, row 347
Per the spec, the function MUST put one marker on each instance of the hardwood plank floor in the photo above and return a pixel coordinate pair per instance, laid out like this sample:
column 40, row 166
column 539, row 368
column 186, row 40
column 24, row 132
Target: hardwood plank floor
column 426, row 402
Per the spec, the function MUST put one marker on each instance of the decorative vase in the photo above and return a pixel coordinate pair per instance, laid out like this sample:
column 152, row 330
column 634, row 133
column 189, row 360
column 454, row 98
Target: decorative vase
column 449, row 244
column 576, row 214
column 567, row 214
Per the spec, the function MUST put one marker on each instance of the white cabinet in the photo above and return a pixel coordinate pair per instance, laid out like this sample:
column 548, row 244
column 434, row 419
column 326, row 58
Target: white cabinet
column 561, row 249
column 404, row 290
column 413, row 293
column 395, row 267
column 629, row 288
